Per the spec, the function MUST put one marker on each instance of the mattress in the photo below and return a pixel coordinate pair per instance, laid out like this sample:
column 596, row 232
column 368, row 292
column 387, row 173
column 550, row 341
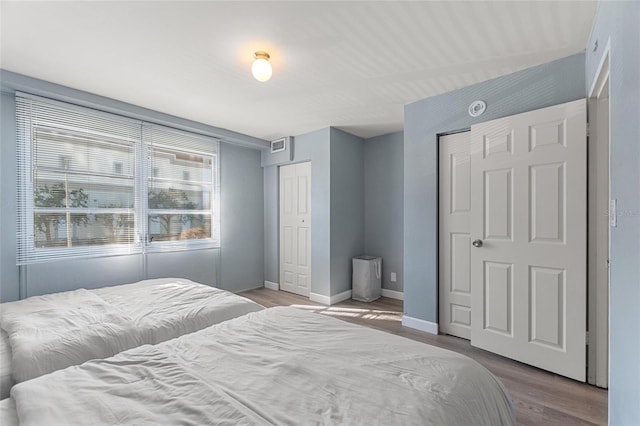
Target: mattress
column 277, row 366
column 51, row 332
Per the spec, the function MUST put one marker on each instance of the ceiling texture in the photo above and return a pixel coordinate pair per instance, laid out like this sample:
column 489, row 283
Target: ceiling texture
column 350, row 65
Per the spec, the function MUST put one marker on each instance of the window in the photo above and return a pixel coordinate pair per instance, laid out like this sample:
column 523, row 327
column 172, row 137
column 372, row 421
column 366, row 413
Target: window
column 98, row 184
column 117, row 168
column 181, row 190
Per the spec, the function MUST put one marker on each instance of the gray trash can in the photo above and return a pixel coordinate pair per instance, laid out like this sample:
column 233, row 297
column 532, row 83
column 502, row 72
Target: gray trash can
column 366, row 285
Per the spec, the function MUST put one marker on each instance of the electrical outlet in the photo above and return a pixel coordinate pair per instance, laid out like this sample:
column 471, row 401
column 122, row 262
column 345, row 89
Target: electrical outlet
column 394, row 277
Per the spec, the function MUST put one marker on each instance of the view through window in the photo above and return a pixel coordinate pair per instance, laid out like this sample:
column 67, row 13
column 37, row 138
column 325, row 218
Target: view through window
column 95, row 184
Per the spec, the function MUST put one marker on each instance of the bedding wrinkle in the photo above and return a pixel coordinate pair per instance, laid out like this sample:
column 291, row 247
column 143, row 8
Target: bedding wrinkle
column 280, row 366
column 52, row 332
column 55, row 332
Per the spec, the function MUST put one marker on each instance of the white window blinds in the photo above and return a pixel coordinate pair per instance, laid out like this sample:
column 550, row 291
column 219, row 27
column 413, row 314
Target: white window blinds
column 97, row 184
column 181, row 190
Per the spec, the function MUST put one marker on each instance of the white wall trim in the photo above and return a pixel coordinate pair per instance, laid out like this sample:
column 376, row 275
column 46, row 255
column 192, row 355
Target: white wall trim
column 418, row 324
column 326, row 300
column 337, row 298
column 319, row 298
column 392, row 294
column 599, row 147
column 271, row 286
column 602, row 72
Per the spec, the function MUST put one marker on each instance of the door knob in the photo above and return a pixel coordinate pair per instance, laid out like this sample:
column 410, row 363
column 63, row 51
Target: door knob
column 477, row 243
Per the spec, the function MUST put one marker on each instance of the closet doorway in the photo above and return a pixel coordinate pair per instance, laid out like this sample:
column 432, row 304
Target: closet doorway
column 295, row 228
column 513, row 240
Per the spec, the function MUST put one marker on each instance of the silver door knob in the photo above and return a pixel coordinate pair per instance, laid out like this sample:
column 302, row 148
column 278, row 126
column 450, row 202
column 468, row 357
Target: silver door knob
column 477, row 243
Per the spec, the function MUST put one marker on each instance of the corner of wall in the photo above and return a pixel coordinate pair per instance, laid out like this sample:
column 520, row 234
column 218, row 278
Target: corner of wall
column 616, row 23
column 347, row 207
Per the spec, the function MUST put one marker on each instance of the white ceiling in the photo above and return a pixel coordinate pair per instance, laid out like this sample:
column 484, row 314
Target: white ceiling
column 351, row 65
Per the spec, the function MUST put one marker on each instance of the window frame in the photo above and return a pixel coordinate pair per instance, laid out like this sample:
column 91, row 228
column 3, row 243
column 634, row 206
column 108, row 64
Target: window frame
column 213, row 211
column 28, row 253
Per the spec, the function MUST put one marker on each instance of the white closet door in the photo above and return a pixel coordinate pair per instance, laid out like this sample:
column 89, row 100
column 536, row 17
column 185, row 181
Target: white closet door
column 454, row 241
column 295, row 228
column 528, row 198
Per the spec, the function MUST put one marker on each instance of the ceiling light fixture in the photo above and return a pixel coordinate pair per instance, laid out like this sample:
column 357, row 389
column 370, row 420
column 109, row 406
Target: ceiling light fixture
column 261, row 68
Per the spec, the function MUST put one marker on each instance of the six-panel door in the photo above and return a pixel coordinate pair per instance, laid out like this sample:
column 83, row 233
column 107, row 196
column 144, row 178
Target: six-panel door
column 528, row 204
column 295, row 228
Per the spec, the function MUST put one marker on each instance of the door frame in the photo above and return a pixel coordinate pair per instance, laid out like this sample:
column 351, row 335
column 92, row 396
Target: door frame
column 599, row 236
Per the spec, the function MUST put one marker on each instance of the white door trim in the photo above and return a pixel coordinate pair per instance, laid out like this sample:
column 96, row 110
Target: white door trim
column 599, row 194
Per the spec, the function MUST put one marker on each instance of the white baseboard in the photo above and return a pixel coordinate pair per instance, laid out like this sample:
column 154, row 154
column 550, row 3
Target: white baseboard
column 271, row 286
column 345, row 295
column 319, row 298
column 418, row 324
column 326, row 300
column 392, row 294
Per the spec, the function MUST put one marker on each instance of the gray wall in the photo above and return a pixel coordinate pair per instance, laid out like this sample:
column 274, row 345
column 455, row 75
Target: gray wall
column 337, row 206
column 347, row 207
column 537, row 87
column 66, row 275
column 619, row 23
column 241, row 218
column 315, row 147
column 9, row 279
column 383, row 204
column 241, row 253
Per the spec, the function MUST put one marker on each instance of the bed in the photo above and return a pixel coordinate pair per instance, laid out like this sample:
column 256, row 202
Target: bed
column 5, row 365
column 280, row 365
column 47, row 333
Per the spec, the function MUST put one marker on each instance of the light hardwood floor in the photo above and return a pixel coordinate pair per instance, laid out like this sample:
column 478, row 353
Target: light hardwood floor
column 540, row 398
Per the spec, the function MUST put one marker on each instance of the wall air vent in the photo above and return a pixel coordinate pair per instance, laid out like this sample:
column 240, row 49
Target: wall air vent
column 278, row 145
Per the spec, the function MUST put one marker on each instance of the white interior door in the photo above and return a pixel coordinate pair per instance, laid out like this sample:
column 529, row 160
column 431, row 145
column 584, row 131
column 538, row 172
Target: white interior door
column 528, row 197
column 295, row 228
column 454, row 235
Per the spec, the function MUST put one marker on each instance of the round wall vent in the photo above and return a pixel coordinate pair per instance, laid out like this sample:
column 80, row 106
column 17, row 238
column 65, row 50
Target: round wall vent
column 477, row 108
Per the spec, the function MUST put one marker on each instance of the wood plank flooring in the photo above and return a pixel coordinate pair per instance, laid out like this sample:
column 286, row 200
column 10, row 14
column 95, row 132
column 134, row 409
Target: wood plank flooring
column 540, row 397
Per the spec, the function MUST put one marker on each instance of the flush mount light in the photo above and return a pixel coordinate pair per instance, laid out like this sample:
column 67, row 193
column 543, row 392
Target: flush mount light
column 261, row 68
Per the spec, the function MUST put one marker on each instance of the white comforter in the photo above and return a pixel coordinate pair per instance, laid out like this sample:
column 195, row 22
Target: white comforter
column 48, row 333
column 5, row 365
column 276, row 366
